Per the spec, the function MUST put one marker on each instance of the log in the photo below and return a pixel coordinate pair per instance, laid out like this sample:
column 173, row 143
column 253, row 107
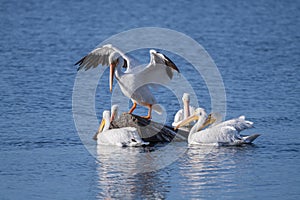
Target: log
column 149, row 130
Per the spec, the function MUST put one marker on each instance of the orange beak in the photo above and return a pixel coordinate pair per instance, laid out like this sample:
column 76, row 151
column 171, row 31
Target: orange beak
column 209, row 120
column 187, row 121
column 112, row 118
column 111, row 75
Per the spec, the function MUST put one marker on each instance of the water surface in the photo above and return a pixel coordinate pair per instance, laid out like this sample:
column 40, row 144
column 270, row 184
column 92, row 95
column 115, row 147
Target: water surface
column 255, row 45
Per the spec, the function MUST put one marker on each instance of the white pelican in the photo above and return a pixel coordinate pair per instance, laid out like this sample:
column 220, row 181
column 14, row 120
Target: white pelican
column 227, row 132
column 134, row 82
column 185, row 112
column 126, row 136
column 114, row 116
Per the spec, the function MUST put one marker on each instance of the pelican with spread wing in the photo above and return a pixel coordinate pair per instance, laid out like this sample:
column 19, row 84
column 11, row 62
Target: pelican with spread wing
column 134, row 81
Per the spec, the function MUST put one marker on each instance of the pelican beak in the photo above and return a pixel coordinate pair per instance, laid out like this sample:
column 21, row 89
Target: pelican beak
column 209, row 120
column 187, row 121
column 112, row 118
column 101, row 126
column 111, row 75
column 99, row 129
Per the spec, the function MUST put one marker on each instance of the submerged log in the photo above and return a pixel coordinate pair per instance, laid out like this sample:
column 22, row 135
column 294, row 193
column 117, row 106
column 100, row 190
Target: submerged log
column 149, row 130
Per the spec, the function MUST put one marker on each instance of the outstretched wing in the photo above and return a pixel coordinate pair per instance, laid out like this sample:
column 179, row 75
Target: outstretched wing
column 160, row 69
column 99, row 56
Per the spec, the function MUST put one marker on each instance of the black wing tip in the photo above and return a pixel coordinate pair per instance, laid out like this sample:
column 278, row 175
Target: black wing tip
column 79, row 63
column 80, row 68
column 170, row 63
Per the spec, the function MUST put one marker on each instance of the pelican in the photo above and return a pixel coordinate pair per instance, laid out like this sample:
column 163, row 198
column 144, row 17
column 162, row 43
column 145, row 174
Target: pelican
column 134, row 81
column 126, row 136
column 114, row 116
column 114, row 112
column 227, row 132
column 184, row 113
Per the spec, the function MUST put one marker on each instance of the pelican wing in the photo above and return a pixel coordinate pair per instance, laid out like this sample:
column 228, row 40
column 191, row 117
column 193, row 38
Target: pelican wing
column 178, row 117
column 250, row 138
column 99, row 56
column 126, row 136
column 159, row 70
column 239, row 124
column 216, row 135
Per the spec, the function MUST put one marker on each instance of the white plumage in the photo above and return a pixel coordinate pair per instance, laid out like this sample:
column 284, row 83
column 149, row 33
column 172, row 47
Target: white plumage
column 225, row 133
column 135, row 81
column 127, row 136
column 184, row 113
column 114, row 112
column 239, row 123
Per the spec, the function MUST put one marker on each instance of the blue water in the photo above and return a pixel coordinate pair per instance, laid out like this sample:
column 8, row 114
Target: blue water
column 255, row 45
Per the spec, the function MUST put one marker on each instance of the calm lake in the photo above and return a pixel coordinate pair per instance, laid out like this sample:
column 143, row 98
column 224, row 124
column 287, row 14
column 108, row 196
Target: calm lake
column 254, row 44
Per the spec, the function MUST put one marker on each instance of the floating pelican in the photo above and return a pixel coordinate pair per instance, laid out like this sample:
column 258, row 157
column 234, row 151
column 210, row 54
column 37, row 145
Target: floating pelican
column 135, row 81
column 184, row 113
column 227, row 133
column 114, row 116
column 126, row 136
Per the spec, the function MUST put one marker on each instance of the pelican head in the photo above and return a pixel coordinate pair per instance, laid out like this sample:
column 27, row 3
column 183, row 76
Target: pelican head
column 186, row 97
column 115, row 59
column 215, row 118
column 105, row 121
column 114, row 112
column 152, row 52
column 209, row 120
column 199, row 115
